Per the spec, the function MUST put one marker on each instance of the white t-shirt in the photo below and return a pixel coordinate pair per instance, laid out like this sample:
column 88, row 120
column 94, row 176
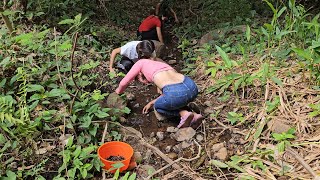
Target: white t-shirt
column 129, row 50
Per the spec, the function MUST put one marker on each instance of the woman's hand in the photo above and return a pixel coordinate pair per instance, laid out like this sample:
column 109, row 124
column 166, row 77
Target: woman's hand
column 146, row 108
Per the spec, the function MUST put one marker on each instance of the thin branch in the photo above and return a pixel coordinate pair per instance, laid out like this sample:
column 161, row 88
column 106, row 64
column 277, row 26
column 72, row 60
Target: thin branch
column 72, row 57
column 302, row 162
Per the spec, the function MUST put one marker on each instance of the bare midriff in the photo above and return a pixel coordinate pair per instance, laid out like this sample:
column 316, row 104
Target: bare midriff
column 167, row 77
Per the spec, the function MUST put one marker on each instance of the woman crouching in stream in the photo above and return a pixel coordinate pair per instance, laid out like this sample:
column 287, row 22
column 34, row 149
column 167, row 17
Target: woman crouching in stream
column 176, row 89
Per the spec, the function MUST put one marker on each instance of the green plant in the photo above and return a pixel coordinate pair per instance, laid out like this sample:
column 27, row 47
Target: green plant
column 78, row 159
column 234, row 117
column 283, row 139
column 315, row 108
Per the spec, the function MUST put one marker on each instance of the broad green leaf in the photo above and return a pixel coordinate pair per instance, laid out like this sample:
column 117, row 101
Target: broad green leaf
column 281, row 11
column 11, row 175
column 35, row 87
column 77, row 152
column 66, row 21
column 225, row 57
column 132, row 176
column 302, row 53
column 276, row 80
column 72, row 173
column 3, row 82
column 248, row 33
column 5, row 62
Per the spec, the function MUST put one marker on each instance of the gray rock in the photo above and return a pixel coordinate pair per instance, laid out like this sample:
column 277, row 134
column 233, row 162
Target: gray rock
column 160, row 136
column 184, row 134
column 186, row 144
column 137, row 105
column 217, row 147
column 278, row 126
column 222, row 154
column 172, row 129
column 177, row 148
column 199, row 138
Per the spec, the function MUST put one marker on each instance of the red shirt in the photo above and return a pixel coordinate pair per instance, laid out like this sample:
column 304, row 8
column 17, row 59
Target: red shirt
column 149, row 23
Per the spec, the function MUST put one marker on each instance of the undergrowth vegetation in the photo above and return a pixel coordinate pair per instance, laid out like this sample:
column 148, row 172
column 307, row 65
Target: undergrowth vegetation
column 53, row 77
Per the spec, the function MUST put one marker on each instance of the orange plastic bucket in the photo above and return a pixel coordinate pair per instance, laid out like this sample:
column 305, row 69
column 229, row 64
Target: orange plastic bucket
column 115, row 148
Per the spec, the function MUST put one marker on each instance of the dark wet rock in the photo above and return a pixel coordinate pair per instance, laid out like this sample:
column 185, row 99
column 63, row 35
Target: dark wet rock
column 160, row 136
column 172, row 129
column 172, row 155
column 184, row 134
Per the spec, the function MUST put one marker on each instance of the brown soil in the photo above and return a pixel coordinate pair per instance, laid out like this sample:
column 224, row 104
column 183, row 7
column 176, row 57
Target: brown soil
column 115, row 158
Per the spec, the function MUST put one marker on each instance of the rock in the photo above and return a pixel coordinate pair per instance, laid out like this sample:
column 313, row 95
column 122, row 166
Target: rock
column 199, row 138
column 172, row 62
column 217, row 147
column 168, row 149
column 160, row 136
column 160, row 49
column 137, row 105
column 138, row 157
column 222, row 154
column 186, row 144
column 172, row 129
column 130, row 96
column 172, row 155
column 114, row 101
column 145, row 170
column 177, row 148
column 278, row 126
column 152, row 134
column 184, row 134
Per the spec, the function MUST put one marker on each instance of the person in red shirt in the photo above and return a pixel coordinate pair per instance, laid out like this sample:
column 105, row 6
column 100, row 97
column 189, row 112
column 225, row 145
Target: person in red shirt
column 150, row 29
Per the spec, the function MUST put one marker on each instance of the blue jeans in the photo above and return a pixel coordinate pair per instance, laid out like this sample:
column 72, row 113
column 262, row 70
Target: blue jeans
column 176, row 96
